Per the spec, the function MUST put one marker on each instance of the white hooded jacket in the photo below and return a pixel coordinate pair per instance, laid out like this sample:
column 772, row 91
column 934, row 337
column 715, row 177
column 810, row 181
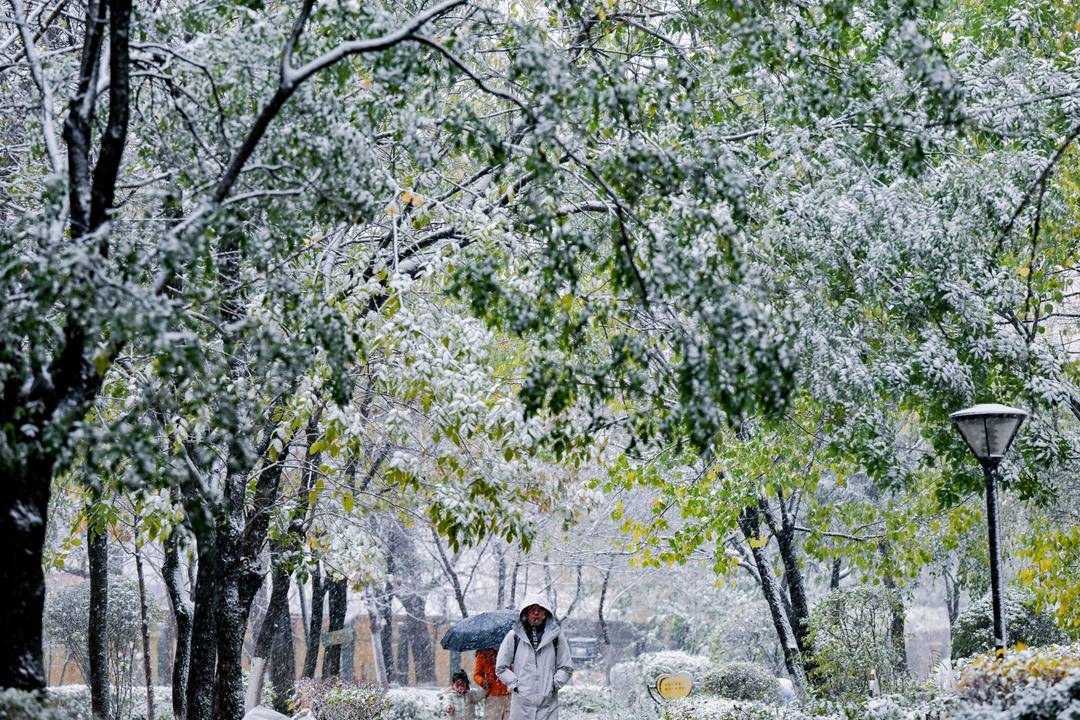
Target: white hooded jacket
column 534, row 677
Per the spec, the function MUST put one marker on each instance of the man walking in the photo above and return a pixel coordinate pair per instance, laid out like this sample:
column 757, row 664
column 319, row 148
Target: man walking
column 533, row 664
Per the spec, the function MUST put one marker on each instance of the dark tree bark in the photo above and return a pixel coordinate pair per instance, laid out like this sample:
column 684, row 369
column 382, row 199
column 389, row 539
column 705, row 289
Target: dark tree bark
column 274, row 640
column 34, row 407
column 98, row 652
column 203, row 644
column 145, row 627
column 797, row 606
column 834, row 577
column 170, row 571
column 24, row 505
column 604, row 637
column 750, row 525
column 385, row 610
column 314, row 630
column 337, row 601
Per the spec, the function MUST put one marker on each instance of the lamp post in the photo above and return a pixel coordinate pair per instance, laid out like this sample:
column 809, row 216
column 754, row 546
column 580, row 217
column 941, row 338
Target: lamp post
column 988, row 431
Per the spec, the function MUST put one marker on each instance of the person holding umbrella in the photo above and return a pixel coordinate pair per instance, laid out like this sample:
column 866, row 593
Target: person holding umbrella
column 533, row 664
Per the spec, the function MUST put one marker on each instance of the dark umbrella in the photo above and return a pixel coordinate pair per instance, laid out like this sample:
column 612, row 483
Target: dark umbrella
column 476, row 632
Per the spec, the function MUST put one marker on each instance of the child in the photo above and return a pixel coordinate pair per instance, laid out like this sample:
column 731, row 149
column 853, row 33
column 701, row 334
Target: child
column 461, row 699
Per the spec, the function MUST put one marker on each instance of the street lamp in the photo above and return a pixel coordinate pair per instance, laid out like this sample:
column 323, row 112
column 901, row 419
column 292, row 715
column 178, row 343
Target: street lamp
column 988, row 431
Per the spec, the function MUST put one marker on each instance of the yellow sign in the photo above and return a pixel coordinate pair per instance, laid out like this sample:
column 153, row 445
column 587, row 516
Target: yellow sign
column 670, row 687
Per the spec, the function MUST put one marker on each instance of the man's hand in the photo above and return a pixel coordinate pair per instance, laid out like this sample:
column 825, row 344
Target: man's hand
column 450, row 710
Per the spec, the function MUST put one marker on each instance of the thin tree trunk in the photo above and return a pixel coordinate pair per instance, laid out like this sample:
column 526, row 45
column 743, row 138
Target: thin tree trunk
column 401, row 659
column 834, row 578
column 447, row 567
column 749, row 523
column 896, row 625
column 577, row 595
column 338, row 599
column 98, row 554
column 604, row 637
column 170, row 571
column 376, row 623
column 500, row 574
column 144, row 612
column 797, row 606
column 386, row 636
column 513, row 582
column 314, row 631
column 419, row 638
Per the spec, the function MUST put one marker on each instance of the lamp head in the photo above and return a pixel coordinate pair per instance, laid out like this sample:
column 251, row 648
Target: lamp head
column 989, row 429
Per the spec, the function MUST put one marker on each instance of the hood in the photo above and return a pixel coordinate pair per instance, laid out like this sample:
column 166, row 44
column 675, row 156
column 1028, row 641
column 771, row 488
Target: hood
column 531, row 600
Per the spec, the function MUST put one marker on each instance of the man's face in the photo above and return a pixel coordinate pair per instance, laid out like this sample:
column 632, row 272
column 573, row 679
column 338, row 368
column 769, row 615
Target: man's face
column 535, row 615
column 460, row 686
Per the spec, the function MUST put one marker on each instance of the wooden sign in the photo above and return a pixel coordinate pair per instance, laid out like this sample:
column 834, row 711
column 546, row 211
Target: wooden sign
column 337, row 637
column 670, row 687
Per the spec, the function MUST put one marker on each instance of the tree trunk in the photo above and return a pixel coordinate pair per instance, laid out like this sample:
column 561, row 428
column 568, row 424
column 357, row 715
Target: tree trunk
column 749, row 523
column 896, row 625
column 239, row 578
column 500, row 574
column 338, row 600
column 952, row 596
column 377, row 647
column 24, row 505
column 314, row 630
column 170, row 571
column 834, row 578
column 797, row 606
column 604, row 637
column 513, row 583
column 274, row 640
column 385, row 609
column 419, row 638
column 401, row 659
column 143, row 613
column 203, row 644
column 97, row 637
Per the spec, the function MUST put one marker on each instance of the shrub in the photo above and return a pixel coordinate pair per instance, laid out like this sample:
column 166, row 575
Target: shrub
column 74, row 701
column 336, row 699
column 851, row 641
column 1060, row 701
column 708, row 707
column 22, row 705
column 578, row 700
column 1000, row 680
column 973, row 631
column 66, row 622
column 414, row 704
column 742, row 681
column 629, row 679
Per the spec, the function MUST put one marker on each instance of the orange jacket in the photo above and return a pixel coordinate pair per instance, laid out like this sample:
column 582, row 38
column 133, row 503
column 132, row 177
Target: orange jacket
column 484, row 673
